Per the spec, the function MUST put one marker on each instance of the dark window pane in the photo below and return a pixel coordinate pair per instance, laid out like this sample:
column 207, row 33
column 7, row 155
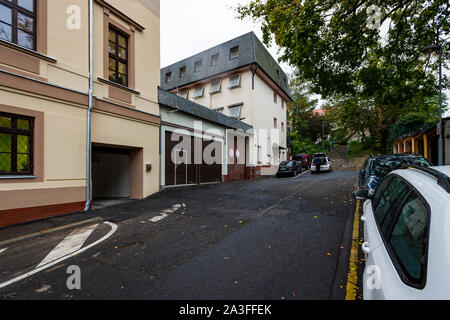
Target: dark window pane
column 23, row 144
column 25, row 23
column 112, row 76
column 409, row 236
column 112, row 36
column 122, row 41
column 122, row 53
column 390, row 215
column 5, row 122
column 122, row 68
column 112, row 48
column 5, row 32
column 27, row 4
column 112, row 64
column 5, row 162
column 122, row 79
column 391, row 194
column 25, row 39
column 5, row 14
column 5, row 142
column 380, row 190
column 23, row 163
column 23, row 124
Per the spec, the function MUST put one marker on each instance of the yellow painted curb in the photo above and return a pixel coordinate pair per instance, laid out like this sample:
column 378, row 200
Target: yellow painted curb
column 352, row 277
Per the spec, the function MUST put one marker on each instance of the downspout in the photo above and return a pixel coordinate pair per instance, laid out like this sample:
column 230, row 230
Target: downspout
column 91, row 105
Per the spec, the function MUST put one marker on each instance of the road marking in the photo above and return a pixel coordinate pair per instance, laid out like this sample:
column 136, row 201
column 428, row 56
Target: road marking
column 73, row 242
column 300, row 174
column 352, row 277
column 165, row 213
column 2, row 250
column 28, row 274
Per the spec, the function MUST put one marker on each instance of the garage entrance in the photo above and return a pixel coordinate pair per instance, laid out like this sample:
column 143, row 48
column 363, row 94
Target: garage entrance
column 110, row 173
column 185, row 171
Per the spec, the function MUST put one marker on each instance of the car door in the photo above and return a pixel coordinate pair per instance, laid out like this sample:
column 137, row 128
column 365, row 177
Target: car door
column 378, row 216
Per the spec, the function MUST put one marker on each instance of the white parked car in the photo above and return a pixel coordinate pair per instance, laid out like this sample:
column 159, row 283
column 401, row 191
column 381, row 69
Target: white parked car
column 407, row 235
column 321, row 163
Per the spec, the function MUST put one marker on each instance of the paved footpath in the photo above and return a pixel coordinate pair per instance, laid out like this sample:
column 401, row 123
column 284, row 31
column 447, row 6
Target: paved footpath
column 264, row 239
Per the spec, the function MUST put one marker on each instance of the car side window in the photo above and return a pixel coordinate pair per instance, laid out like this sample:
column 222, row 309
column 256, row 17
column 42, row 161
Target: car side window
column 390, row 215
column 389, row 201
column 409, row 237
column 380, row 191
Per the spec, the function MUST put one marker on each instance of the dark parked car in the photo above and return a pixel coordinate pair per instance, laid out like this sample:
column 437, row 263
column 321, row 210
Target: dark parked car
column 376, row 168
column 303, row 158
column 289, row 168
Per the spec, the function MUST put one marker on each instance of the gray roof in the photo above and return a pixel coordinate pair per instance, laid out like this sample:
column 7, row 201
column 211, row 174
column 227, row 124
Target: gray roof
column 251, row 51
column 184, row 105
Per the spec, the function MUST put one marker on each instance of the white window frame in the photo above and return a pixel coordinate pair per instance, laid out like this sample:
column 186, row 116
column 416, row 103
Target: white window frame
column 230, row 82
column 234, row 52
column 184, row 93
column 233, row 107
column 198, row 64
column 216, row 86
column 212, row 64
column 197, row 94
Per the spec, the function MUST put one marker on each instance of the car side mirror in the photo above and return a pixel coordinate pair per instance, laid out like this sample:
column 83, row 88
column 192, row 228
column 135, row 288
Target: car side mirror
column 363, row 172
column 362, row 195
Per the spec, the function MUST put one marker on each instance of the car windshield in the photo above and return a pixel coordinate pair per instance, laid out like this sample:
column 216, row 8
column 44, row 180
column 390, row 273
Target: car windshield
column 286, row 164
column 300, row 157
column 383, row 166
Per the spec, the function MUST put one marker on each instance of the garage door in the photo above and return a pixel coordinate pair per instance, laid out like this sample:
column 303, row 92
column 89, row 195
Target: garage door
column 188, row 172
column 110, row 173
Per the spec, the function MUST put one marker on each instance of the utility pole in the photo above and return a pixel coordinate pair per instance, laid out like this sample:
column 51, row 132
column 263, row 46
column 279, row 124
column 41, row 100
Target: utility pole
column 433, row 48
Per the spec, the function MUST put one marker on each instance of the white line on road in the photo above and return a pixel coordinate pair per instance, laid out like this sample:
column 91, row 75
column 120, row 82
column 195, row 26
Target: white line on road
column 300, row 174
column 28, row 274
column 165, row 213
column 70, row 244
column 2, row 250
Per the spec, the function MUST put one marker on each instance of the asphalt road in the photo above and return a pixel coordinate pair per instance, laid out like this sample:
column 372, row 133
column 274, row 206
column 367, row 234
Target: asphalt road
column 263, row 239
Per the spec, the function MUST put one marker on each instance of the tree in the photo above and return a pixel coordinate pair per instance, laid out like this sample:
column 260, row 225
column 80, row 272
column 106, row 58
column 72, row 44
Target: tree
column 339, row 50
column 306, row 124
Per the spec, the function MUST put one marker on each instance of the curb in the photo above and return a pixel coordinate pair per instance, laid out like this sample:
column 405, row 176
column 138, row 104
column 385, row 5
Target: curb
column 49, row 231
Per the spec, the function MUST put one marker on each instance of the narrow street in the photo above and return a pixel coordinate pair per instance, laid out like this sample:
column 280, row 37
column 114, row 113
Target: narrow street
column 264, row 239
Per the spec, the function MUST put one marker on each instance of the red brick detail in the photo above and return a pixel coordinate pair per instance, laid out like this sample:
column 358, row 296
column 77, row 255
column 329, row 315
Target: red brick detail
column 18, row 216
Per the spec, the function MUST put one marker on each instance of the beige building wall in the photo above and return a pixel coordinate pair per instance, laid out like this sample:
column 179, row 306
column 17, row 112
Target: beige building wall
column 50, row 84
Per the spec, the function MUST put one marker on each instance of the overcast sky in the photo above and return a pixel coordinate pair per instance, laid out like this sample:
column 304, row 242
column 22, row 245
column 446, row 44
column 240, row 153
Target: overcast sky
column 191, row 26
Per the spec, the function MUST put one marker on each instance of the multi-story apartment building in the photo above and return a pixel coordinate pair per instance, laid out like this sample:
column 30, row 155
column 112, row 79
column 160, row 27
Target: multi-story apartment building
column 45, row 148
column 240, row 79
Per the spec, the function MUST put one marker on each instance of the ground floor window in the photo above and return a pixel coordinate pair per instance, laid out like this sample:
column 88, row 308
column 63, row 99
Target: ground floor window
column 16, row 145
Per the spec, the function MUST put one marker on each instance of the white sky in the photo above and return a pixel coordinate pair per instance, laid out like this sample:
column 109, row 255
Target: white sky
column 191, row 26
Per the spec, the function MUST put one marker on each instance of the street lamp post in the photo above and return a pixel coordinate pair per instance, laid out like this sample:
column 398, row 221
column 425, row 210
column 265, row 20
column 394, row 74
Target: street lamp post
column 429, row 49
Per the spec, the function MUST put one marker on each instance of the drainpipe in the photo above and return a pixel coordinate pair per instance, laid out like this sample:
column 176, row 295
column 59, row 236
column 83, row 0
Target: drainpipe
column 91, row 105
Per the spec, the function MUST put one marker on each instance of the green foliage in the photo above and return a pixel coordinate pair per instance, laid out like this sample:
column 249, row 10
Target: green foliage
column 370, row 82
column 359, row 149
column 307, row 125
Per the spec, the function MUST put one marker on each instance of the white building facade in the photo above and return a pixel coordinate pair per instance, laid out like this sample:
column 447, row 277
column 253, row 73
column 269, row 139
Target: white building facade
column 239, row 79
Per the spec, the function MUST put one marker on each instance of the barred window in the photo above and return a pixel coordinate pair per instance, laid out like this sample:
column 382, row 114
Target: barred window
column 118, row 57
column 16, row 145
column 18, row 22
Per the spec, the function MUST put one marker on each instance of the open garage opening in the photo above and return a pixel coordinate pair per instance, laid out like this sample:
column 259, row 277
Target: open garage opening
column 117, row 175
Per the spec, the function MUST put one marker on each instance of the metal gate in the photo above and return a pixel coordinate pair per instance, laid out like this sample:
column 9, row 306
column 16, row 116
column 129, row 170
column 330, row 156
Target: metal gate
column 188, row 172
